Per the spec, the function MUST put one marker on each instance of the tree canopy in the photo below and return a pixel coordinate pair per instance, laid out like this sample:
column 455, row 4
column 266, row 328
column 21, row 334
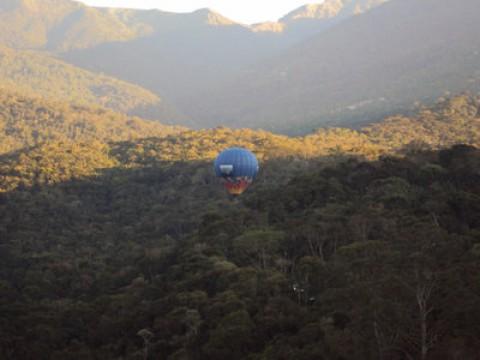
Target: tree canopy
column 117, row 241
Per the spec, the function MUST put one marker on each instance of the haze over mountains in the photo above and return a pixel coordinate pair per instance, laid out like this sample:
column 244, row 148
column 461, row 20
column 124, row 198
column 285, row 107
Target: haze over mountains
column 342, row 61
column 36, row 73
column 362, row 69
column 62, row 25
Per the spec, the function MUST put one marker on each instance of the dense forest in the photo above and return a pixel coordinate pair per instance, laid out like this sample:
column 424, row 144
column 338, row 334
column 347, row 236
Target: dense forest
column 27, row 121
column 117, row 241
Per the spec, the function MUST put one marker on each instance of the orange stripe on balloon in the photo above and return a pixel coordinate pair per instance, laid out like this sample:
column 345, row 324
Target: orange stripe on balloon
column 237, row 187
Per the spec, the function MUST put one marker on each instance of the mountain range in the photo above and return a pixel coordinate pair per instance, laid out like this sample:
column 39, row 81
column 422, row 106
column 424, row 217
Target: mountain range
column 63, row 25
column 360, row 70
column 346, row 62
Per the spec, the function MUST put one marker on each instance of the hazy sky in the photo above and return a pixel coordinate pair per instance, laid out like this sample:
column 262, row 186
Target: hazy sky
column 244, row 11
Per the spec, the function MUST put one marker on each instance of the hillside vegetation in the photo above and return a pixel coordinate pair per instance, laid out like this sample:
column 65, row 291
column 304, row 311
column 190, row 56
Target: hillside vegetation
column 65, row 25
column 58, row 25
column 117, row 241
column 38, row 74
column 361, row 70
column 28, row 121
column 338, row 63
column 104, row 256
column 450, row 121
column 355, row 73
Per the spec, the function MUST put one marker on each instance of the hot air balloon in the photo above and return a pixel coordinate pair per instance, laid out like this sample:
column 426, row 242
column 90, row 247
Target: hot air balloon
column 238, row 168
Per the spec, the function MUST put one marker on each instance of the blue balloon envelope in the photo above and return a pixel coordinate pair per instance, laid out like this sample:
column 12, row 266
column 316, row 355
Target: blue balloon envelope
column 238, row 168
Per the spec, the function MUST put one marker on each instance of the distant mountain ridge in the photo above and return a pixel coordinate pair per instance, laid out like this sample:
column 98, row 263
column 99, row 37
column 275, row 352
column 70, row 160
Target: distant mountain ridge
column 63, row 25
column 361, row 70
column 198, row 53
column 57, row 24
column 69, row 24
column 331, row 8
column 325, row 10
column 377, row 57
column 315, row 16
column 175, row 56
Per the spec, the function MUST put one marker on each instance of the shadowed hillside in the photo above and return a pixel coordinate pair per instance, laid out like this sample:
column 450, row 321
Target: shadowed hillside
column 342, row 62
column 362, row 69
column 177, row 56
column 187, row 58
column 105, row 259
column 38, row 74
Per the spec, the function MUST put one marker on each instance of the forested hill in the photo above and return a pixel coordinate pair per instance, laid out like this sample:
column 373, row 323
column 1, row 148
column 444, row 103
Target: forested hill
column 39, row 74
column 27, row 121
column 344, row 262
column 117, row 241
column 360, row 70
column 450, row 121
column 338, row 62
